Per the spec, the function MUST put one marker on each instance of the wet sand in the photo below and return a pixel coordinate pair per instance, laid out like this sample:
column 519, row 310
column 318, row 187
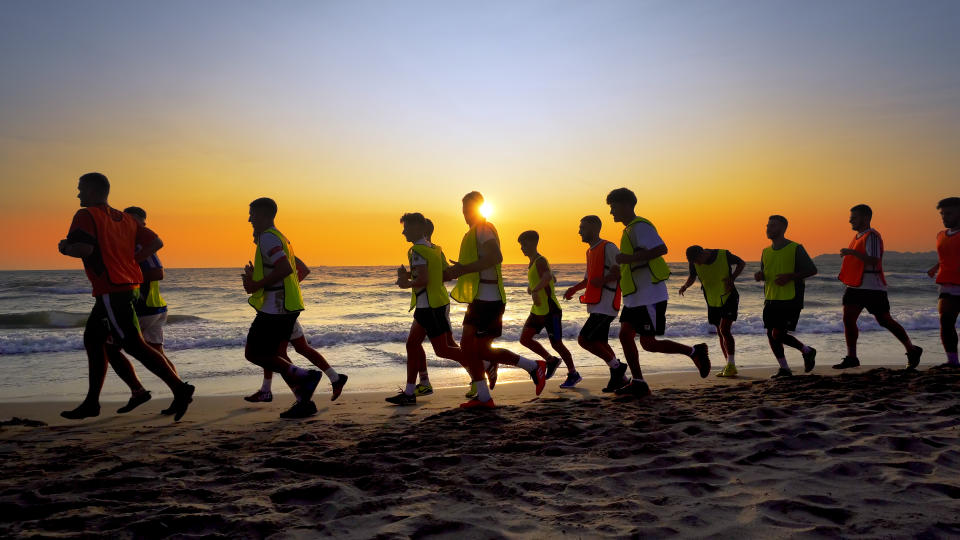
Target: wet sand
column 868, row 453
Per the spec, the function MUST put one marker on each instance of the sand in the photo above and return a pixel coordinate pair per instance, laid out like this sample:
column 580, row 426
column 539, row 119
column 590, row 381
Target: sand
column 869, row 453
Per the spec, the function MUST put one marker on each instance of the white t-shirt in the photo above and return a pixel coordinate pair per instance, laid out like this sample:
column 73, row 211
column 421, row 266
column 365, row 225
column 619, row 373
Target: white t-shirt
column 605, row 306
column 488, row 291
column 646, row 237
column 871, row 279
column 950, row 288
column 271, row 250
column 417, row 260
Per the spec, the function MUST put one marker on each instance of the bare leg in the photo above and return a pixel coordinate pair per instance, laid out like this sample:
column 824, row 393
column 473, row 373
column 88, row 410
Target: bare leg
column 886, row 321
column 664, row 346
column 445, row 347
column 776, row 346
column 305, row 350
column 159, row 349
column 564, row 353
column 850, row 331
column 600, row 349
column 124, row 369
column 415, row 354
column 949, row 309
column 526, row 339
column 470, row 347
column 630, row 352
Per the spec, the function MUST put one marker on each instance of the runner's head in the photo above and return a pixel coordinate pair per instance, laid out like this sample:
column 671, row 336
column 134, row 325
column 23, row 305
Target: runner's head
column 93, row 189
column 262, row 213
column 414, row 226
column 590, row 229
column 622, row 202
column 138, row 214
column 528, row 242
column 860, row 216
column 697, row 255
column 471, row 208
column 950, row 212
column 776, row 227
column 428, row 231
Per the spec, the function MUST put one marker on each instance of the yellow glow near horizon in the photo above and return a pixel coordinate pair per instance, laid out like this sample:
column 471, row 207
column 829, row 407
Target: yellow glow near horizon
column 486, row 210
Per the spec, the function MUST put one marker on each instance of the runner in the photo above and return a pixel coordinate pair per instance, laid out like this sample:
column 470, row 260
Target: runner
column 783, row 267
column 866, row 287
column 429, row 299
column 712, row 267
column 546, row 311
column 643, row 275
column 480, row 285
column 602, row 297
column 275, row 294
column 106, row 239
column 947, row 273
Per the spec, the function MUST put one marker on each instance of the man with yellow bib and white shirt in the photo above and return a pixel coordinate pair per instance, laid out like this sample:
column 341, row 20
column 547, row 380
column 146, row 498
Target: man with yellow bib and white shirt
column 643, row 275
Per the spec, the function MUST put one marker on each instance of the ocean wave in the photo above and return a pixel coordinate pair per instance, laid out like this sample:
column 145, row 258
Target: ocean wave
column 65, row 319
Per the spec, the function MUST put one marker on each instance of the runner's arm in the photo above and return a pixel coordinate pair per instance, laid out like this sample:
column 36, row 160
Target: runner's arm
column 147, row 251
column 280, row 270
column 302, row 269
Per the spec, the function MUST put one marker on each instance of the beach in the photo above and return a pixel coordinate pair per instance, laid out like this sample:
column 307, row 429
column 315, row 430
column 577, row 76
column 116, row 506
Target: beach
column 872, row 452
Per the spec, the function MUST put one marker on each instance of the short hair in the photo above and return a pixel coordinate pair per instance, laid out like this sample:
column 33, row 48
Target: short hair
column 528, row 236
column 266, row 204
column 474, row 197
column 592, row 220
column 949, row 202
column 863, row 209
column 429, row 225
column 622, row 195
column 693, row 252
column 413, row 218
column 778, row 217
column 97, row 181
column 136, row 211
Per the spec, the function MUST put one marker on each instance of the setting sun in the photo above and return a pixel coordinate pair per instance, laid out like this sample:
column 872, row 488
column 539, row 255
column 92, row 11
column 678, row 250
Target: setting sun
column 486, row 210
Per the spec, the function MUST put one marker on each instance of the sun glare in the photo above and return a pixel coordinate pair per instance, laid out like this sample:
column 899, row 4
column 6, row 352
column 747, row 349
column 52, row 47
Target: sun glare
column 486, row 210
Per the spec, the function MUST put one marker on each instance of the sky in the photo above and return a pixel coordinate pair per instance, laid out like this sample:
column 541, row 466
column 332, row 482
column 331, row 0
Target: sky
column 349, row 114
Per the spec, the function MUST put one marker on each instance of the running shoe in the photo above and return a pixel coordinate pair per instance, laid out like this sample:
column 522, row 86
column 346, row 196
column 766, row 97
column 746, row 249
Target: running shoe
column 402, row 399
column 135, row 401
column 572, row 380
column 782, row 373
column 913, row 357
column 539, row 376
column 423, row 390
column 260, row 396
column 809, row 360
column 477, row 404
column 492, row 374
column 847, row 362
column 300, row 409
column 728, row 370
column 636, row 387
column 701, row 359
column 617, row 378
column 472, row 392
column 82, row 411
column 552, row 364
column 338, row 386
column 181, row 400
column 308, row 384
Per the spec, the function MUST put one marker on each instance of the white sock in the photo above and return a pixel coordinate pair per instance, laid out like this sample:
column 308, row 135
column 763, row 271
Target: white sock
column 952, row 358
column 483, row 392
column 332, row 374
column 730, row 361
column 424, row 378
column 614, row 364
column 805, row 349
column 409, row 389
column 296, row 372
column 267, row 382
column 527, row 364
column 783, row 363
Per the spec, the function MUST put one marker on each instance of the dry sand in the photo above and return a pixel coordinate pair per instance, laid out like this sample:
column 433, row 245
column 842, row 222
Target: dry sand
column 869, row 453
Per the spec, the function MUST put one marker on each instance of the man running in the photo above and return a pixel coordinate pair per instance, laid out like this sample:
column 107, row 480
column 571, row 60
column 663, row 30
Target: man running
column 106, row 239
column 602, row 297
column 643, row 275
column 546, row 311
column 429, row 300
column 480, row 285
column 275, row 294
column 862, row 273
column 947, row 273
column 712, row 267
column 783, row 267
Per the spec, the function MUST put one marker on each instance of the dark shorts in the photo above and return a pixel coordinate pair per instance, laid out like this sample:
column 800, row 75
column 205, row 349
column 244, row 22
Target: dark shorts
column 781, row 315
column 268, row 332
column 551, row 321
column 433, row 320
column 646, row 320
column 486, row 316
column 876, row 302
column 727, row 311
column 112, row 320
column 950, row 297
column 597, row 327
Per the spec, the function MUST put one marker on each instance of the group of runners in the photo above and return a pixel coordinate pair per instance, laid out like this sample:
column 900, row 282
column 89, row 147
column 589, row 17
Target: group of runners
column 119, row 257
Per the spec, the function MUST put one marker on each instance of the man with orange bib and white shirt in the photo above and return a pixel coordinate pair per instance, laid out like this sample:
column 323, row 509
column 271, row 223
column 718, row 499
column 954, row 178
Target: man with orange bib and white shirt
column 947, row 273
column 866, row 287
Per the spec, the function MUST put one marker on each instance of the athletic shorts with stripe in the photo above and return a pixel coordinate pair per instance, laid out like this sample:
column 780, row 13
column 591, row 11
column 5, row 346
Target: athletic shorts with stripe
column 649, row 320
column 597, row 328
column 112, row 320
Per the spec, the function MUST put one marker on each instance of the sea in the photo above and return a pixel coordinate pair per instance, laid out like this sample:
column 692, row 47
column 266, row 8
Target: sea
column 358, row 319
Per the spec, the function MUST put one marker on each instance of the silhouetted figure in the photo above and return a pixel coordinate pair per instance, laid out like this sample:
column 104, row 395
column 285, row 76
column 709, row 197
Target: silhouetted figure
column 546, row 311
column 947, row 273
